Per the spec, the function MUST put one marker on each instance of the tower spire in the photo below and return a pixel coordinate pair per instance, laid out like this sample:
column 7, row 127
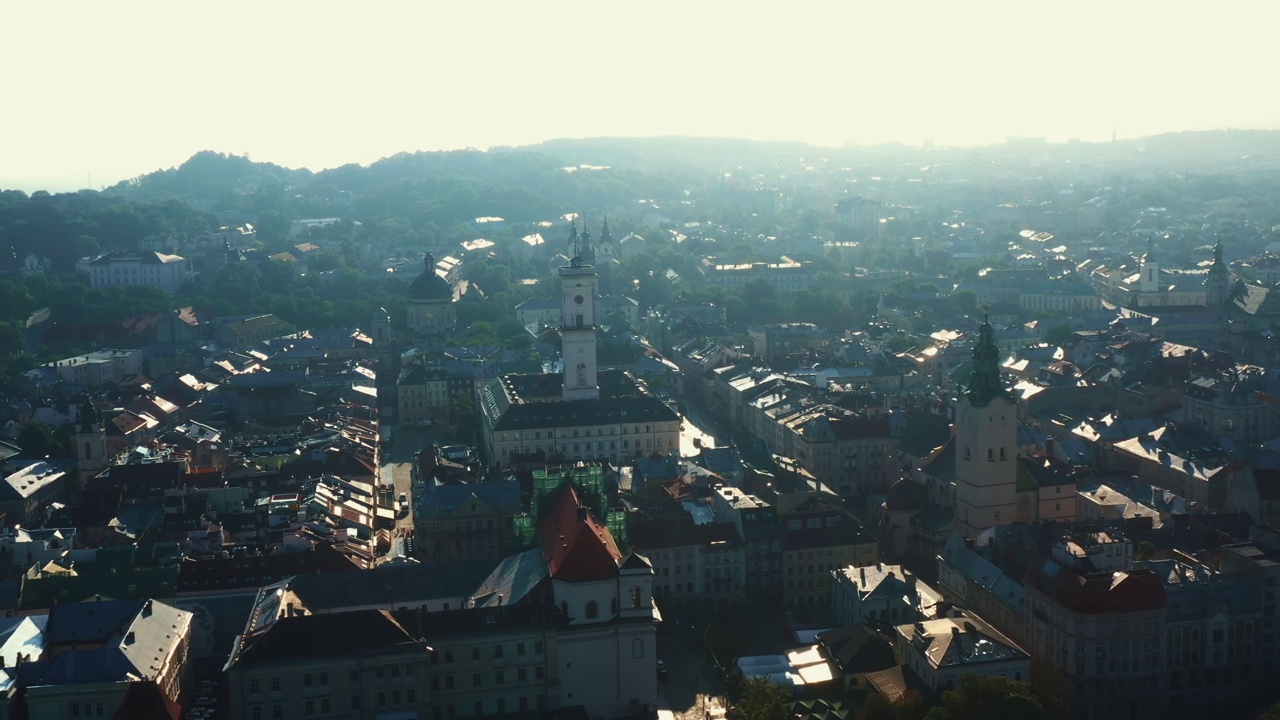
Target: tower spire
column 573, row 235
column 984, row 383
column 604, row 231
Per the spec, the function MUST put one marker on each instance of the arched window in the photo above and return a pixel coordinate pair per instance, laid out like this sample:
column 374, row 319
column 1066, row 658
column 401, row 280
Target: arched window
column 637, row 648
column 1002, row 454
column 966, row 452
column 991, row 454
column 635, row 597
column 593, row 609
column 88, row 452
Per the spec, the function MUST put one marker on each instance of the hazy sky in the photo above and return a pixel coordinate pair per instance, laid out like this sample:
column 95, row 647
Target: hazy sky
column 118, row 89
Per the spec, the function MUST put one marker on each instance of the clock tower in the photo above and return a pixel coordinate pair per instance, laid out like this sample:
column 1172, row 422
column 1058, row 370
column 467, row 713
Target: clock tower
column 580, row 288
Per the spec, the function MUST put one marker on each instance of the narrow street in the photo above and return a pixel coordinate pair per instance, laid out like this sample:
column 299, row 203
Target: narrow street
column 695, row 428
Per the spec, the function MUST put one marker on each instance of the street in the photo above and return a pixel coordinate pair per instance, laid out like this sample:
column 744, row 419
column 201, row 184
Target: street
column 693, row 683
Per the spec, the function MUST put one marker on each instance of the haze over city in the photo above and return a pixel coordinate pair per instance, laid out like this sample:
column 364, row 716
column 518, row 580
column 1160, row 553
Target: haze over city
column 105, row 93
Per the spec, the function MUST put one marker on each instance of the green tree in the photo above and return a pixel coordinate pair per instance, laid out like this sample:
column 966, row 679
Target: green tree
column 37, row 440
column 981, row 698
column 1058, row 334
column 762, row 700
column 1147, row 551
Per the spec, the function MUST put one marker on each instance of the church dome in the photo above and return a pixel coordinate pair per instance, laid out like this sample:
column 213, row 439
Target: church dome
column 429, row 285
column 906, row 495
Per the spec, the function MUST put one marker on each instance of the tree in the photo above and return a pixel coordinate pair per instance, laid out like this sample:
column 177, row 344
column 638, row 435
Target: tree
column 1147, row 551
column 37, row 440
column 762, row 700
column 1058, row 334
column 980, row 698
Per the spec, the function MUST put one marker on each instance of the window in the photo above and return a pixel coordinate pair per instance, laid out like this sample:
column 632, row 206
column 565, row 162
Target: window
column 395, row 697
column 355, row 702
column 309, row 707
column 637, row 648
column 475, row 680
column 537, row 647
column 324, row 678
column 277, row 712
column 448, row 654
column 306, row 680
column 324, row 705
column 382, row 699
column 497, row 652
column 475, row 654
column 479, row 708
column 255, row 712
column 537, row 673
column 254, row 686
column 499, row 678
column 275, row 683
column 522, row 674
column 593, row 609
column 520, row 649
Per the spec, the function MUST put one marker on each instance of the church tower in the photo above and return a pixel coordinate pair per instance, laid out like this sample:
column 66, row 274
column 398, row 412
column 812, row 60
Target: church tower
column 579, row 285
column 90, row 440
column 986, row 444
column 1149, row 282
column 1217, row 285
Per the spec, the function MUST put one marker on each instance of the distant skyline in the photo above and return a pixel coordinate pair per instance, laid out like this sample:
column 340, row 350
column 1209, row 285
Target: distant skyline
column 99, row 92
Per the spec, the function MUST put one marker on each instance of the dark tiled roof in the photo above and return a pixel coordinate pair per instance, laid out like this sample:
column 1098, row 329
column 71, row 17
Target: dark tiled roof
column 391, row 584
column 444, row 499
column 310, row 636
column 924, row 432
column 1118, row 592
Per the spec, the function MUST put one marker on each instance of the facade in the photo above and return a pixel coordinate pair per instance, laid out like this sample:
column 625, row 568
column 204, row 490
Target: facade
column 776, row 342
column 143, row 269
column 98, row 368
column 848, row 453
column 756, row 524
column 986, row 445
column 461, row 521
column 422, row 392
column 818, row 538
column 1096, row 640
column 361, row 664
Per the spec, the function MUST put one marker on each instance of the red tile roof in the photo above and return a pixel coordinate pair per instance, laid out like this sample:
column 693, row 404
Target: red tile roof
column 1102, row 593
column 576, row 547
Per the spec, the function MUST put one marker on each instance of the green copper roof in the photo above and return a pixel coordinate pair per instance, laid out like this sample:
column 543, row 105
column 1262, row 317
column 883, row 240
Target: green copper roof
column 985, row 384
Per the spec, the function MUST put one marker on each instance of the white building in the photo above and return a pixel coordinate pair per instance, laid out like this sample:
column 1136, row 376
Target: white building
column 940, row 651
column 97, row 368
column 142, row 269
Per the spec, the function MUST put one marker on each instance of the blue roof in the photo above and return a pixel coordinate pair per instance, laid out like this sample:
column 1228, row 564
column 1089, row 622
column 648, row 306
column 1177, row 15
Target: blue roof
column 445, row 498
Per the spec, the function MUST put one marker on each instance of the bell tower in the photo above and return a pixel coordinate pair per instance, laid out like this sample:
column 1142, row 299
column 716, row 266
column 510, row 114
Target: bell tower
column 579, row 286
column 986, row 444
column 1217, row 284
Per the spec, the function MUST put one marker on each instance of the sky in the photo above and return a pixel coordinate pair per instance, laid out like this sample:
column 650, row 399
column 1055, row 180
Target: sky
column 96, row 92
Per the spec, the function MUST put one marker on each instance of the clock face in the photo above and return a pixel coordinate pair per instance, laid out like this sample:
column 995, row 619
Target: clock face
column 577, row 300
